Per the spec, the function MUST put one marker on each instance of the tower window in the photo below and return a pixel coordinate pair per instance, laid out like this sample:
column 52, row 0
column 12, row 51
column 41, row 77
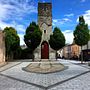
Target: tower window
column 44, row 31
column 44, row 8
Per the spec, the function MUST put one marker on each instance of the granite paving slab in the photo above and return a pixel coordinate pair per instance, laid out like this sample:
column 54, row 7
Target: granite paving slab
column 11, row 84
column 45, row 80
column 9, row 65
column 80, row 83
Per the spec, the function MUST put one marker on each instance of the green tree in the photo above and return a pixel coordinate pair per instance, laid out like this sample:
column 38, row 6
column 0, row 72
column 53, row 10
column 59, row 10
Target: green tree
column 81, row 34
column 12, row 41
column 33, row 36
column 57, row 40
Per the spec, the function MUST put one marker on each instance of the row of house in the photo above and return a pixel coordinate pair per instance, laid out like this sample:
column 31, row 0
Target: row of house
column 70, row 51
column 73, row 51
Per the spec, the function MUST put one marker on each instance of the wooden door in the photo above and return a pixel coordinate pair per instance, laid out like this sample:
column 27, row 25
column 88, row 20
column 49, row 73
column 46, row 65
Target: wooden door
column 44, row 50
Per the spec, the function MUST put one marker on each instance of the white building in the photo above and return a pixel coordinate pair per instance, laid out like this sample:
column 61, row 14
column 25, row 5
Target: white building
column 86, row 46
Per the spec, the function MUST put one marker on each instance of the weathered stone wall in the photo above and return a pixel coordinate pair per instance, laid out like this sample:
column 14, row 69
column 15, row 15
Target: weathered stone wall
column 45, row 24
column 45, row 20
column 2, row 47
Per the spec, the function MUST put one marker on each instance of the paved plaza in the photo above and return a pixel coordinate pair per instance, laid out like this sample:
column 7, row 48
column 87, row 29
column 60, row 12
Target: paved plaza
column 74, row 77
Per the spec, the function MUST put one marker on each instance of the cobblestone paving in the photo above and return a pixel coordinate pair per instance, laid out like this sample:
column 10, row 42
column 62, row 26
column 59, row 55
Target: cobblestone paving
column 85, row 64
column 80, row 83
column 12, row 77
column 9, row 65
column 10, row 84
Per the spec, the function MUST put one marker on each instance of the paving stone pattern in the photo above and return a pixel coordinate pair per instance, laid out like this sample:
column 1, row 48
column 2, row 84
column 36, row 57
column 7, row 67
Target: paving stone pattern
column 9, row 81
column 80, row 83
column 10, row 84
column 44, row 81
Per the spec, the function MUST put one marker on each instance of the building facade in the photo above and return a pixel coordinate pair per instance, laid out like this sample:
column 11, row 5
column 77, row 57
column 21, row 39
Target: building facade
column 71, row 51
column 45, row 23
column 86, row 46
column 86, row 51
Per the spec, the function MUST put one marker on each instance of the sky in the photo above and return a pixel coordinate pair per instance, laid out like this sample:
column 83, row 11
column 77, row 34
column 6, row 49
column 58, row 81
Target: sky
column 19, row 14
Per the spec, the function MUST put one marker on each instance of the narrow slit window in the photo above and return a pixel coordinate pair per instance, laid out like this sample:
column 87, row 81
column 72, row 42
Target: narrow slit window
column 44, row 31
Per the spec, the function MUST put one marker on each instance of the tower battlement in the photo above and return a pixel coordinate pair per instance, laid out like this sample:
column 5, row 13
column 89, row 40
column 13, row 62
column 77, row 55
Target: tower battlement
column 45, row 19
column 44, row 9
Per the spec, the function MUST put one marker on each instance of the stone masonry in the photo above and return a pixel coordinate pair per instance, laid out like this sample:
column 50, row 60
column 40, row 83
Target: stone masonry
column 45, row 24
column 2, row 47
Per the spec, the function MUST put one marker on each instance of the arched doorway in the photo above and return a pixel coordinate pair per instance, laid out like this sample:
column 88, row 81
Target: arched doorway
column 44, row 50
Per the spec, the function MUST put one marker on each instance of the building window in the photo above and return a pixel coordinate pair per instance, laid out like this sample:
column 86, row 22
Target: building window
column 45, row 31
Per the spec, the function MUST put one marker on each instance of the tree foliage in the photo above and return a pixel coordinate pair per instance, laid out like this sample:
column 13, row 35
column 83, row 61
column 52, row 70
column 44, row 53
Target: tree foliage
column 12, row 41
column 81, row 33
column 33, row 36
column 57, row 39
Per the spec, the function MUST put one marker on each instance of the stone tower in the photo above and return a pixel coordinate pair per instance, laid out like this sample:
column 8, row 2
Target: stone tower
column 45, row 23
column 45, row 19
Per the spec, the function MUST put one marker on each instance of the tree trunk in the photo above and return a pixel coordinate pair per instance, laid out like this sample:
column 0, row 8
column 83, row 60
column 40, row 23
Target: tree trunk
column 56, row 55
column 87, row 45
column 11, row 56
column 33, row 56
column 81, row 55
column 7, row 57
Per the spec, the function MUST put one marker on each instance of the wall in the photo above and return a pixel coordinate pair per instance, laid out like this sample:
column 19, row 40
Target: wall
column 70, row 50
column 2, row 47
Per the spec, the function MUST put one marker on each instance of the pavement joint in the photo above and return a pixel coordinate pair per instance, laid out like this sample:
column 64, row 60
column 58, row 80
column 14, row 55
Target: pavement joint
column 81, row 64
column 42, row 87
column 10, row 67
column 58, row 83
column 46, row 81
